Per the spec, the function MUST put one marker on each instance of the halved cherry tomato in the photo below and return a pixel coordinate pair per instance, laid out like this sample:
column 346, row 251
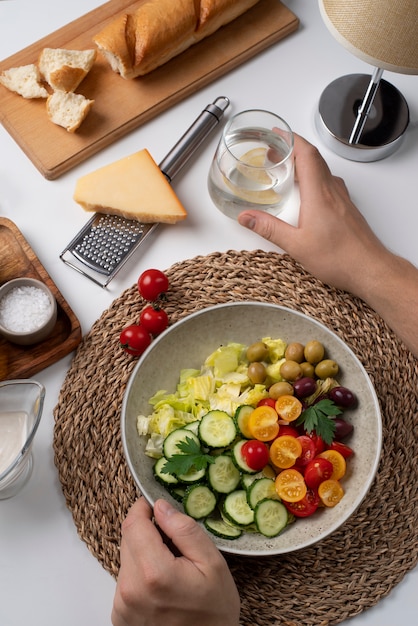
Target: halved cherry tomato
column 338, row 463
column 290, row 485
column 267, row 402
column 342, row 448
column 154, row 320
column 284, row 451
column 152, row 283
column 288, row 430
column 317, row 471
column 308, row 451
column 263, row 423
column 318, row 441
column 330, row 492
column 134, row 339
column 305, row 507
column 288, row 408
column 255, row 454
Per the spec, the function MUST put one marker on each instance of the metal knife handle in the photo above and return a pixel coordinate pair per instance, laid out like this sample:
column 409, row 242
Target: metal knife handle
column 193, row 137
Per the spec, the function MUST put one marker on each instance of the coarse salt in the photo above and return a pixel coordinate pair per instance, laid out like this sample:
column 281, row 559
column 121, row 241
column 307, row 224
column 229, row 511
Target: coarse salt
column 24, row 309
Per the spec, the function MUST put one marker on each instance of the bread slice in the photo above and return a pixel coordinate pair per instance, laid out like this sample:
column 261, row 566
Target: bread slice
column 24, row 80
column 133, row 187
column 68, row 109
column 64, row 69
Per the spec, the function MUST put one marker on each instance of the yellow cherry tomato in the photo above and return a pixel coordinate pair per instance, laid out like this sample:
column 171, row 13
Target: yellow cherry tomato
column 339, row 465
column 330, row 492
column 290, row 485
column 284, row 451
column 288, row 408
column 263, row 423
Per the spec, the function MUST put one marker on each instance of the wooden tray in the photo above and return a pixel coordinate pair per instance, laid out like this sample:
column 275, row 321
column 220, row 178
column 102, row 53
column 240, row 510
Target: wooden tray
column 123, row 105
column 17, row 259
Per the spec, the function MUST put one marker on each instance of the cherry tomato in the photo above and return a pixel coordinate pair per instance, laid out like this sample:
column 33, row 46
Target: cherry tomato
column 290, row 485
column 152, row 283
column 267, row 402
column 308, row 451
column 317, row 471
column 288, row 430
column 135, row 339
column 330, row 492
column 338, row 463
column 255, row 454
column 263, row 423
column 154, row 320
column 305, row 507
column 319, row 443
column 284, row 451
column 288, row 408
column 342, row 448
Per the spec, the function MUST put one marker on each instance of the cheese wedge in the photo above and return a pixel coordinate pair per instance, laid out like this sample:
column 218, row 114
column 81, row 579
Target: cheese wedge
column 133, row 187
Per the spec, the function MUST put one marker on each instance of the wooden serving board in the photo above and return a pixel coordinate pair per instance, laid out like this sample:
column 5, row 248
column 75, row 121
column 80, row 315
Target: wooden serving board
column 123, row 105
column 18, row 260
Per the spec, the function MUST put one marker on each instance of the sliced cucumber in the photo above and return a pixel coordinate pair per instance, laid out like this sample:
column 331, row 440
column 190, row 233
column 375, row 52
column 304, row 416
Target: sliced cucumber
column 165, row 479
column 178, row 492
column 239, row 459
column 171, row 442
column 259, row 490
column 237, row 509
column 217, row 429
column 192, row 476
column 199, row 501
column 223, row 475
column 270, row 517
column 222, row 529
column 193, row 426
column 241, row 416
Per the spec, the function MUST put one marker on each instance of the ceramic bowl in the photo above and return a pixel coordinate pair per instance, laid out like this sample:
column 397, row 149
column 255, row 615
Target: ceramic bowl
column 37, row 332
column 187, row 343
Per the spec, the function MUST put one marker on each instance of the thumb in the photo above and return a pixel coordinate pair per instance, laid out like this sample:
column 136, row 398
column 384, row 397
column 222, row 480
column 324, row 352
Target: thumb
column 186, row 534
column 269, row 227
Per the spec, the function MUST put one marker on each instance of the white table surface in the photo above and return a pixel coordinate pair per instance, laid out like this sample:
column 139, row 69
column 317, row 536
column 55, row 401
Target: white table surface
column 47, row 574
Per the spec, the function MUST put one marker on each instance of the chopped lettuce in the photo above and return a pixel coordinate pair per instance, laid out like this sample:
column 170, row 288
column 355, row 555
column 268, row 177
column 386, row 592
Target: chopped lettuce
column 276, row 348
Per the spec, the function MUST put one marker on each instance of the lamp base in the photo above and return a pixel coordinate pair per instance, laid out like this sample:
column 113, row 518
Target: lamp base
column 385, row 126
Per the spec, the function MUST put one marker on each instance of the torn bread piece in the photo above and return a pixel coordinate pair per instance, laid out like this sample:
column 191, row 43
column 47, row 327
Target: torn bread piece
column 64, row 69
column 24, row 80
column 133, row 187
column 68, row 109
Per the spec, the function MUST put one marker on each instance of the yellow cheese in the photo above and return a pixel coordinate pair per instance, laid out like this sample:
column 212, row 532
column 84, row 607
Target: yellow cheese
column 133, row 187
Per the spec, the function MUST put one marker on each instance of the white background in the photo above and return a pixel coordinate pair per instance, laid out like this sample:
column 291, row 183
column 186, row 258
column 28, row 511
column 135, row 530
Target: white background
column 47, row 575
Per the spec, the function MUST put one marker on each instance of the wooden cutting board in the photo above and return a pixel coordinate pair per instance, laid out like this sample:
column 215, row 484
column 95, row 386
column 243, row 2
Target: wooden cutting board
column 123, row 105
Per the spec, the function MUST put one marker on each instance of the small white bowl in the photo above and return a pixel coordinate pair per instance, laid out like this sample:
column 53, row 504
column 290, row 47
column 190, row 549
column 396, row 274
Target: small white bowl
column 187, row 343
column 34, row 335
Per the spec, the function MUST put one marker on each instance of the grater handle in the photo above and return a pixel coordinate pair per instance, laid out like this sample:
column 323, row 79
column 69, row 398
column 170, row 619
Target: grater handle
column 193, row 137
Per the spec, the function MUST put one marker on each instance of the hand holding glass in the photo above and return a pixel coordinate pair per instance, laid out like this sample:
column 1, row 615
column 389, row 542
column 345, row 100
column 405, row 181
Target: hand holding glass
column 253, row 165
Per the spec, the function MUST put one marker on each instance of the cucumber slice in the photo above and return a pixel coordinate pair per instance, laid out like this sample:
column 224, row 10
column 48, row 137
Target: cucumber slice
column 192, row 476
column 222, row 529
column 270, row 517
column 165, row 479
column 193, row 426
column 237, row 509
column 199, row 501
column 241, row 419
column 170, row 445
column 259, row 490
column 217, row 429
column 178, row 493
column 239, row 459
column 223, row 475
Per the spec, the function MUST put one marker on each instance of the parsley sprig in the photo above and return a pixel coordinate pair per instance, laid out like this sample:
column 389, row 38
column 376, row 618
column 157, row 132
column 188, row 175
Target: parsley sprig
column 318, row 418
column 190, row 457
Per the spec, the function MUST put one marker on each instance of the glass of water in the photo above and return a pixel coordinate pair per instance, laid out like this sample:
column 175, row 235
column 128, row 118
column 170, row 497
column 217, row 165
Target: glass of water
column 253, row 167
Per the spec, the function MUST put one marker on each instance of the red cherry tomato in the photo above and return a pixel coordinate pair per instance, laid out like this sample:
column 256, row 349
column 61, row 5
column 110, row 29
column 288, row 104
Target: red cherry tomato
column 255, row 453
column 135, row 339
column 342, row 448
column 308, row 451
column 288, row 430
column 154, row 320
column 318, row 442
column 267, row 402
column 305, row 507
column 317, row 471
column 152, row 284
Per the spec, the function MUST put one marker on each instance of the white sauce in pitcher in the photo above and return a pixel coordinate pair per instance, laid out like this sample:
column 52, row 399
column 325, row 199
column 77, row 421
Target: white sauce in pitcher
column 13, row 433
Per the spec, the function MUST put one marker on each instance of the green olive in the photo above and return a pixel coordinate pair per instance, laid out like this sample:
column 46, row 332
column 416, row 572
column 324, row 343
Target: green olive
column 308, row 369
column 280, row 389
column 257, row 372
column 326, row 369
column 257, row 352
column 314, row 351
column 295, row 352
column 290, row 370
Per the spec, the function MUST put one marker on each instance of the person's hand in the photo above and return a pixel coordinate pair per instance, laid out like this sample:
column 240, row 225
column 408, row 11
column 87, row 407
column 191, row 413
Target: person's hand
column 332, row 239
column 155, row 587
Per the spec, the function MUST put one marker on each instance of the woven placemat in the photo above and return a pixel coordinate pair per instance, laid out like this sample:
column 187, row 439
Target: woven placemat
column 341, row 576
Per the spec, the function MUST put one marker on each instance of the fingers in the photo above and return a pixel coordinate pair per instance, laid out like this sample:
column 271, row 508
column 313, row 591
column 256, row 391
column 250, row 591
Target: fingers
column 269, row 227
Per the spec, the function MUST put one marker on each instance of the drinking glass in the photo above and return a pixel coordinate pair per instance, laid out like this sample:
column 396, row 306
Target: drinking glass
column 253, row 165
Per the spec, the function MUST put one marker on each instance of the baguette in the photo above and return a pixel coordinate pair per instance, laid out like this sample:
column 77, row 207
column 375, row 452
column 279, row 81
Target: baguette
column 68, row 109
column 24, row 80
column 135, row 44
column 64, row 69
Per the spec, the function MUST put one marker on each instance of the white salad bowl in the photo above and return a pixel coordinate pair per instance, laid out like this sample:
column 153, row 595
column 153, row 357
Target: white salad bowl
column 187, row 344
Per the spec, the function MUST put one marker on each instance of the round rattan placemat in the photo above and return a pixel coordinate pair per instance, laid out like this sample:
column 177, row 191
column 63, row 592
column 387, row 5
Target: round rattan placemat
column 324, row 584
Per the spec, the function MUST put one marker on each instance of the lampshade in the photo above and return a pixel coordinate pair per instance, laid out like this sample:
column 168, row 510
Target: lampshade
column 364, row 117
